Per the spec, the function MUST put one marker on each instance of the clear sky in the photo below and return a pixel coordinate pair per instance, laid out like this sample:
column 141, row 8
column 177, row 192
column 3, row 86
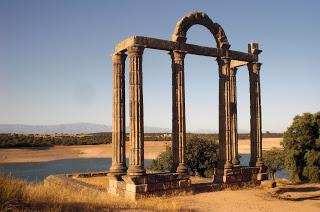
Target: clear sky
column 55, row 64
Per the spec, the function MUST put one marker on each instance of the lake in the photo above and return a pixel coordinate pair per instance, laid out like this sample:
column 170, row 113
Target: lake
column 38, row 171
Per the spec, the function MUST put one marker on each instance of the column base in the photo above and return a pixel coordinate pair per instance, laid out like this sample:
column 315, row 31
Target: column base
column 182, row 168
column 235, row 161
column 259, row 163
column 136, row 171
column 228, row 165
column 119, row 169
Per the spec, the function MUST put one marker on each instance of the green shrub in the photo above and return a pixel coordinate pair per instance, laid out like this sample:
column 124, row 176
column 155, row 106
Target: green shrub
column 201, row 156
column 301, row 144
column 274, row 160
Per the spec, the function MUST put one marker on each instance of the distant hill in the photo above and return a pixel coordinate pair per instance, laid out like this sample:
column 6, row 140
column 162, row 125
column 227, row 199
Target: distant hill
column 66, row 128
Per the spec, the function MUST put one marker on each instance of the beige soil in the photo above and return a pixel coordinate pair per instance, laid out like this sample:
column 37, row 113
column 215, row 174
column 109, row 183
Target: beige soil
column 301, row 198
column 152, row 150
column 285, row 197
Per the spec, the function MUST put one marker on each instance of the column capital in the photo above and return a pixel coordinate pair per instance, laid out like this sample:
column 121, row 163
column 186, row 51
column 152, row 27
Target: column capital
column 223, row 60
column 178, row 55
column 224, row 66
column 136, row 50
column 254, row 67
column 233, row 71
column 118, row 57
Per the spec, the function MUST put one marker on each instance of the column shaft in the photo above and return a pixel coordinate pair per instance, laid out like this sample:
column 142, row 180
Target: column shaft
column 179, row 122
column 225, row 144
column 234, row 124
column 255, row 115
column 136, row 162
column 174, row 136
column 118, row 166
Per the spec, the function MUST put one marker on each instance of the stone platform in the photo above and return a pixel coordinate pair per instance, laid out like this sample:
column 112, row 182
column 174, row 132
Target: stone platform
column 154, row 184
column 239, row 174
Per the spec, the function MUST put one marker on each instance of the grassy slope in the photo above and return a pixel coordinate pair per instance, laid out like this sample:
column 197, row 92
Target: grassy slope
column 22, row 196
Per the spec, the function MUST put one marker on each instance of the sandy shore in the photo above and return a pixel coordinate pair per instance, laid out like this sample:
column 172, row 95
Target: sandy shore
column 152, row 150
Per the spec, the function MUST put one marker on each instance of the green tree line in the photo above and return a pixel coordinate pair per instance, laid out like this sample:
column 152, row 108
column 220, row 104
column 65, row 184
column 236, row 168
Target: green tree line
column 34, row 140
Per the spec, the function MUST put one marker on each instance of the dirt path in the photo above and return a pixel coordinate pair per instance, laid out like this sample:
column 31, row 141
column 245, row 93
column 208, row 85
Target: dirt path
column 253, row 200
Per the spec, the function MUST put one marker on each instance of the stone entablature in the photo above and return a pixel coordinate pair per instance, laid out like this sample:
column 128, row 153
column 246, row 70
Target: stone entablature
column 159, row 44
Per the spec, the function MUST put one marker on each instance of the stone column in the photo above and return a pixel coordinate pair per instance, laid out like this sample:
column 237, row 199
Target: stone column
column 179, row 122
column 118, row 166
column 225, row 144
column 234, row 122
column 136, row 160
column 174, row 135
column 255, row 115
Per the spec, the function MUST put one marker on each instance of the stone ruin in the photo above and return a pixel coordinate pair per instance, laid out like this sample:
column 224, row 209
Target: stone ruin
column 133, row 181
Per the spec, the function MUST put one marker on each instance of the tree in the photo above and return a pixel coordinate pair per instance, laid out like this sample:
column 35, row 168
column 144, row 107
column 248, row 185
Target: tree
column 164, row 161
column 301, row 144
column 201, row 156
column 274, row 160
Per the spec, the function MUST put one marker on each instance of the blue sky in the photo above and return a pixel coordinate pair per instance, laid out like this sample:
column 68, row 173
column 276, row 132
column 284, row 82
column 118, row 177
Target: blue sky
column 55, row 64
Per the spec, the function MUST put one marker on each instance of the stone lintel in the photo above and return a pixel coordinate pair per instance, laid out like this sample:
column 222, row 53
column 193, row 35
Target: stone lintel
column 237, row 63
column 154, row 43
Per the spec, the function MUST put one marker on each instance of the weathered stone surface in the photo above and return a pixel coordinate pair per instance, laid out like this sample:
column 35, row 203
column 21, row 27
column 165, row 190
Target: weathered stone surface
column 178, row 105
column 135, row 181
column 182, row 27
column 154, row 43
column 233, row 111
column 184, row 183
column 136, row 161
column 225, row 142
column 237, row 63
column 118, row 166
column 149, row 184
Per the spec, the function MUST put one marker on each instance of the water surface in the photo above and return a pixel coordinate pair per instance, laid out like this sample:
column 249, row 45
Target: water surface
column 38, row 171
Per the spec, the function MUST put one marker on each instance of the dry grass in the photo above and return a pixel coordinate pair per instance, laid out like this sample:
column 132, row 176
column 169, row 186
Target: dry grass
column 18, row 195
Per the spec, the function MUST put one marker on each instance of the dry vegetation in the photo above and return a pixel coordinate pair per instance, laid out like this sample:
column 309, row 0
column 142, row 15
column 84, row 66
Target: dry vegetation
column 17, row 195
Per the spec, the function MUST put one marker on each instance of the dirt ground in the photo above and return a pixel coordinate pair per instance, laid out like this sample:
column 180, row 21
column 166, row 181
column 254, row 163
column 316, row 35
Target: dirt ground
column 291, row 198
column 152, row 150
column 285, row 197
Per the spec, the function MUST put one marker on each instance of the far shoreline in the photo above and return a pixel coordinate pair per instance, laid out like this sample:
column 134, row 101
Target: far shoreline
column 152, row 150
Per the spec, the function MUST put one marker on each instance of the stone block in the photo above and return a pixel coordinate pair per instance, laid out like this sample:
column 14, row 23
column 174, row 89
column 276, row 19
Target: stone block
column 162, row 177
column 166, row 185
column 151, row 187
column 182, row 176
column 137, row 188
column 151, row 178
column 142, row 188
column 184, row 183
column 174, row 184
column 262, row 176
column 136, row 180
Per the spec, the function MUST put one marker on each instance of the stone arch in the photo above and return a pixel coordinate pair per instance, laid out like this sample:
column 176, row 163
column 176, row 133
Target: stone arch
column 182, row 27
